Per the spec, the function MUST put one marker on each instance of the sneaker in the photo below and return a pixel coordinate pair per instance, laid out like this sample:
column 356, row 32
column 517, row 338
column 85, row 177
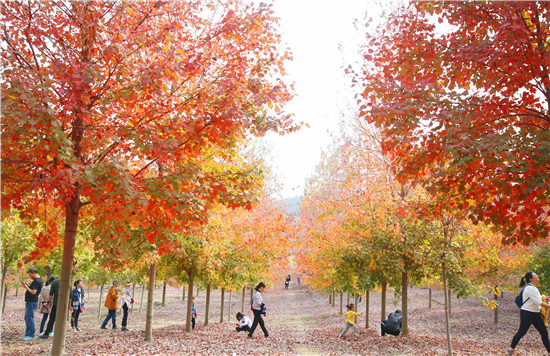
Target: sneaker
column 511, row 352
column 115, row 328
column 103, row 327
column 43, row 336
column 78, row 329
column 27, row 338
column 51, row 334
column 74, row 330
column 267, row 336
column 124, row 329
column 40, row 334
column 22, row 337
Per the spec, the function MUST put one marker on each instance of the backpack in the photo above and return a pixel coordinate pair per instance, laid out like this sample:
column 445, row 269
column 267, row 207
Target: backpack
column 519, row 299
column 392, row 325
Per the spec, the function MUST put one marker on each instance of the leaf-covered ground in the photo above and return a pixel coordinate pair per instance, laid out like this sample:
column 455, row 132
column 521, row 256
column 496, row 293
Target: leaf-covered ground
column 299, row 321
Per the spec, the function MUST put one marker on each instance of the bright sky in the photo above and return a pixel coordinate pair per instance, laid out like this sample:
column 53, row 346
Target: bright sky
column 313, row 30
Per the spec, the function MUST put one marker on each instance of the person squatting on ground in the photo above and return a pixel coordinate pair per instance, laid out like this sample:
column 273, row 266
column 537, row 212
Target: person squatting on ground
column 244, row 322
column 257, row 306
column 31, row 302
column 350, row 320
column 393, row 325
column 54, row 294
column 76, row 304
column 530, row 313
column 111, row 303
column 193, row 314
column 126, row 303
column 44, row 306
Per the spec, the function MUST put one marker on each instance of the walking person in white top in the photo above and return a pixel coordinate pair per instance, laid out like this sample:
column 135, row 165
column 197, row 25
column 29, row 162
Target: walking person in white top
column 257, row 305
column 530, row 312
column 126, row 303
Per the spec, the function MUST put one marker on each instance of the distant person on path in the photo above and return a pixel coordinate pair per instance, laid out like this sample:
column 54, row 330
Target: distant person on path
column 111, row 303
column 350, row 320
column 193, row 314
column 54, row 294
column 31, row 302
column 257, row 308
column 393, row 325
column 126, row 303
column 298, row 280
column 287, row 281
column 530, row 313
column 244, row 322
column 76, row 304
column 44, row 307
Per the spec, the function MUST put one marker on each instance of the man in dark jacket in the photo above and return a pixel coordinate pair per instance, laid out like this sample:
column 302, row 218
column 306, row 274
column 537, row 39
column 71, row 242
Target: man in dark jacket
column 392, row 325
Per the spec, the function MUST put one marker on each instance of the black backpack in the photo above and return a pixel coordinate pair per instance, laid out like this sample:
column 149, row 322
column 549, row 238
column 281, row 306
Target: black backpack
column 393, row 323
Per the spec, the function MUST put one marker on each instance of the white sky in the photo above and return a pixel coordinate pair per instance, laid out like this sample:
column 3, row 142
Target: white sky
column 313, row 30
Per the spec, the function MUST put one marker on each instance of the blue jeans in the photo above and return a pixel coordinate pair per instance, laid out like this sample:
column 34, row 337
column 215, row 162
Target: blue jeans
column 111, row 315
column 30, row 307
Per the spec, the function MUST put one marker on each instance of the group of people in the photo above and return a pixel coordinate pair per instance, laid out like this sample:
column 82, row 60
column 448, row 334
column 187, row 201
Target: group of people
column 287, row 281
column 112, row 304
column 392, row 326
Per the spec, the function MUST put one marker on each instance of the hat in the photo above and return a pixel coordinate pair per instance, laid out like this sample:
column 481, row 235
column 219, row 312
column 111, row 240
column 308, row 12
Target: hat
column 32, row 270
column 127, row 284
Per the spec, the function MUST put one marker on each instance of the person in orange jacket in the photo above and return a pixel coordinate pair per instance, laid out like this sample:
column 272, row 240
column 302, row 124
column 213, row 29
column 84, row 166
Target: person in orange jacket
column 111, row 303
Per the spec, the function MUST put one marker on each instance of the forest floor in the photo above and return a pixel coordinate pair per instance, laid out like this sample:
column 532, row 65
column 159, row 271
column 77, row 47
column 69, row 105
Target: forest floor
column 299, row 321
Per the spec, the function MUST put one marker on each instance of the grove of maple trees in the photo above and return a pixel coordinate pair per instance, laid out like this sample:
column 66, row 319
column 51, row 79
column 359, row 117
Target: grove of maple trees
column 129, row 151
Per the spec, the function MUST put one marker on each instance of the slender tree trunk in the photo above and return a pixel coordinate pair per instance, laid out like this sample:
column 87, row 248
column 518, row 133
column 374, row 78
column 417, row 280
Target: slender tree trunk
column 405, row 303
column 355, row 302
column 333, row 297
column 183, row 294
column 133, row 296
column 17, row 290
column 347, row 293
column 330, row 298
column 198, row 289
column 251, row 294
column 447, row 312
column 188, row 326
column 367, row 308
column 4, row 299
column 496, row 308
column 341, row 303
column 100, row 298
column 383, row 306
column 150, row 302
column 242, row 306
column 429, row 298
column 221, row 312
column 230, row 302
column 2, row 285
column 88, row 293
column 164, row 295
column 449, row 299
column 207, row 309
column 141, row 302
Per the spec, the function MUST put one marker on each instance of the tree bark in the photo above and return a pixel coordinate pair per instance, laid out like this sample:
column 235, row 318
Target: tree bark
column 141, row 302
column 449, row 298
column 3, row 285
column 183, row 294
column 221, row 312
column 242, row 306
column 150, row 302
column 447, row 312
column 355, row 302
column 367, row 308
column 164, row 295
column 4, row 299
column 330, row 298
column 133, row 295
column 229, row 308
column 207, row 309
column 99, row 306
column 405, row 303
column 496, row 308
column 429, row 298
column 347, row 301
column 383, row 301
column 341, row 302
column 333, row 297
column 17, row 290
column 188, row 326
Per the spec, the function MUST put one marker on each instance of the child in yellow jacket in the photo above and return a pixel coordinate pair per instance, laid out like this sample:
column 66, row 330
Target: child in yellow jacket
column 350, row 320
column 544, row 311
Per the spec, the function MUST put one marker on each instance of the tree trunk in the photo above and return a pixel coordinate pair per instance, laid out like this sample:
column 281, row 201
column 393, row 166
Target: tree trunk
column 230, row 301
column 496, row 308
column 4, row 299
column 447, row 312
column 383, row 306
column 367, row 308
column 2, row 285
column 142, row 292
column 207, row 309
column 183, row 294
column 405, row 303
column 355, row 302
column 198, row 289
column 150, row 302
column 333, row 297
column 188, row 326
column 242, row 306
column 133, row 295
column 88, row 292
column 429, row 298
column 17, row 290
column 347, row 301
column 330, row 298
column 449, row 298
column 251, row 295
column 221, row 312
column 341, row 303
column 99, row 306
column 72, row 210
column 164, row 295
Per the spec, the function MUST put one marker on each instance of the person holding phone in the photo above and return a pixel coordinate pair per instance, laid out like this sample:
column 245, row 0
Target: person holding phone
column 31, row 302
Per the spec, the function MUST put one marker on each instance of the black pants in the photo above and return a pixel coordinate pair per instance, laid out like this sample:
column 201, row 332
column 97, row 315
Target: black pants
column 192, row 323
column 243, row 328
column 125, row 315
column 527, row 319
column 74, row 317
column 384, row 331
column 258, row 320
column 49, row 328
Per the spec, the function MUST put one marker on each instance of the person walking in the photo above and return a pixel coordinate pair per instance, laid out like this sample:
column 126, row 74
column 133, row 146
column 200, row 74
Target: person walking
column 31, row 302
column 54, row 294
column 111, row 303
column 244, row 322
column 257, row 309
column 127, row 302
column 44, row 307
column 350, row 320
column 287, row 281
column 75, row 304
column 530, row 313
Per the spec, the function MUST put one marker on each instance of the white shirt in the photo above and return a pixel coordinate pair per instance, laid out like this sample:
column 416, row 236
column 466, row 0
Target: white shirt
column 246, row 321
column 531, row 299
column 257, row 300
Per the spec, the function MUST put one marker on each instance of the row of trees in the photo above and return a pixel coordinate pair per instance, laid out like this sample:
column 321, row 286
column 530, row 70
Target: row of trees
column 124, row 127
column 438, row 177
